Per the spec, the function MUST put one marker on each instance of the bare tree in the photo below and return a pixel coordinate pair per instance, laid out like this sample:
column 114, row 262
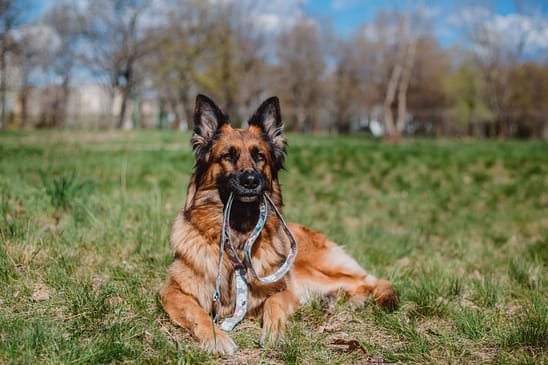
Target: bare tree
column 529, row 99
column 10, row 17
column 302, row 67
column 212, row 48
column 238, row 57
column 116, row 35
column 387, row 52
column 400, row 75
column 65, row 21
column 427, row 95
column 175, row 69
column 346, row 85
column 496, row 53
column 408, row 64
column 28, row 54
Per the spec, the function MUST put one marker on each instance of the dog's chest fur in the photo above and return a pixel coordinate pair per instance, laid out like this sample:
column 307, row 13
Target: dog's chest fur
column 197, row 245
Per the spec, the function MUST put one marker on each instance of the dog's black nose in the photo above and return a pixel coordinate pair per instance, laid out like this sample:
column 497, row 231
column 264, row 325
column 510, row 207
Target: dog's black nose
column 249, row 180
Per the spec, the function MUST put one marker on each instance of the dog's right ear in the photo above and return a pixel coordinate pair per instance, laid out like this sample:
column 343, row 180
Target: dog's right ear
column 269, row 119
column 208, row 118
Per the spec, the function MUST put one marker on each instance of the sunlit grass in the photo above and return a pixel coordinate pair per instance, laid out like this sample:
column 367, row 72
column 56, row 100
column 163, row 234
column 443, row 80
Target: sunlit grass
column 460, row 227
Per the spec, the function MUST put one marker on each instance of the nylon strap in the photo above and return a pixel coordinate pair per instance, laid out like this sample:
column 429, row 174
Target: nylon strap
column 242, row 290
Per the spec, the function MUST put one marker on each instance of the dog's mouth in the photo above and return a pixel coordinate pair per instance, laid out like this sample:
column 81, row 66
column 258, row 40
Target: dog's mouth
column 247, row 198
column 246, row 195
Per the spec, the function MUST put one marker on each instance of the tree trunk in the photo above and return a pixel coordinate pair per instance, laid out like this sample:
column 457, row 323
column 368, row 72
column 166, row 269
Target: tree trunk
column 123, row 107
column 187, row 108
column 301, row 118
column 177, row 120
column 23, row 98
column 501, row 129
column 3, row 84
column 316, row 127
column 126, row 89
column 227, row 77
column 404, row 85
column 391, row 131
column 111, row 113
column 393, row 134
column 63, row 105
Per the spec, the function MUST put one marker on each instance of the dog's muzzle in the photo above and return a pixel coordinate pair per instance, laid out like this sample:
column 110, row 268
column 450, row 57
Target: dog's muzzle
column 247, row 186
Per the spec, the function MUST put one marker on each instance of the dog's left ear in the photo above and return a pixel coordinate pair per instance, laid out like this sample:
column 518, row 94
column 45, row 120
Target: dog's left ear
column 269, row 118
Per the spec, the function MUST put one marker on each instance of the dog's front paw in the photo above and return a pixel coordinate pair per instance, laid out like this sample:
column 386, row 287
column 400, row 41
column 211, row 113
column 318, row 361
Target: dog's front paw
column 217, row 342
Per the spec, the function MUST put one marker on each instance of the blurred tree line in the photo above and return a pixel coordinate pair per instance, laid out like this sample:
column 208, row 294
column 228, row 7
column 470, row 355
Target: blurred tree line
column 390, row 77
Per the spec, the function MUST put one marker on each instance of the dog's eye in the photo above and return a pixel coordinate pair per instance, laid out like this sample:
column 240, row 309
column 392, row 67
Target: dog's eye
column 230, row 155
column 260, row 156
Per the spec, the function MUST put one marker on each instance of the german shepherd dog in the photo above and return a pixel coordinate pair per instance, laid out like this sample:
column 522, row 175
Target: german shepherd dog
column 245, row 163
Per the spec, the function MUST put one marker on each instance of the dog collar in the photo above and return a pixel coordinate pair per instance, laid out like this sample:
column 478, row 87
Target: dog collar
column 240, row 271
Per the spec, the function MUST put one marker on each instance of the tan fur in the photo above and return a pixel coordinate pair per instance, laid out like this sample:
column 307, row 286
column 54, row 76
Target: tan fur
column 321, row 267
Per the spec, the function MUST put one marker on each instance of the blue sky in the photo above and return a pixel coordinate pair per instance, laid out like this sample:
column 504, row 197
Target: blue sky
column 347, row 15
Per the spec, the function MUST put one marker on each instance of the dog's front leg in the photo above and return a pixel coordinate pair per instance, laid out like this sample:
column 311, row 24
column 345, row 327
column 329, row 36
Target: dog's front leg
column 185, row 311
column 276, row 309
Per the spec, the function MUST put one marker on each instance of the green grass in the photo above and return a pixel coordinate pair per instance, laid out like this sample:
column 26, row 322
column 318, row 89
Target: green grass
column 460, row 227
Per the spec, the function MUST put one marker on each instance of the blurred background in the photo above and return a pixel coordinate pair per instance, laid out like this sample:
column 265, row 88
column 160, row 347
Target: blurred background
column 392, row 68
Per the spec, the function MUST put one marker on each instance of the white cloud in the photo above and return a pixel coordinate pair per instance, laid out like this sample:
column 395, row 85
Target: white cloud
column 510, row 26
column 505, row 30
column 271, row 16
column 469, row 15
column 37, row 37
column 273, row 23
column 430, row 12
column 343, row 4
column 275, row 16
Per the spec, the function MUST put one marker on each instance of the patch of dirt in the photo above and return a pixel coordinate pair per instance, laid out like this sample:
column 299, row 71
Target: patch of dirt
column 40, row 293
column 247, row 356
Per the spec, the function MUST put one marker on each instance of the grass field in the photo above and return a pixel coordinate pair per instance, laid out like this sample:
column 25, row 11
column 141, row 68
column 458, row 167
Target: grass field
column 461, row 227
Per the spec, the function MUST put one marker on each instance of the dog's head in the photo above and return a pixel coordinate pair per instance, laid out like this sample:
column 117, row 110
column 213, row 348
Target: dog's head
column 244, row 162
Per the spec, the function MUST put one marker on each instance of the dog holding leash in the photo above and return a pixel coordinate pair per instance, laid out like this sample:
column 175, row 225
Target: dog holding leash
column 234, row 255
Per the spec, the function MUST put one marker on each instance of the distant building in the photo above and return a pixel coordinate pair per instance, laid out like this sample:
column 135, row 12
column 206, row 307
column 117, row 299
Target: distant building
column 13, row 82
column 89, row 106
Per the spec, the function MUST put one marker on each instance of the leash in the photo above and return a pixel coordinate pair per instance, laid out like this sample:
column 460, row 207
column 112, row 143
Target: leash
column 240, row 271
